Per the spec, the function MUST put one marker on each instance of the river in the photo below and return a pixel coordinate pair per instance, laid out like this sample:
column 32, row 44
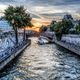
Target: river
column 43, row 62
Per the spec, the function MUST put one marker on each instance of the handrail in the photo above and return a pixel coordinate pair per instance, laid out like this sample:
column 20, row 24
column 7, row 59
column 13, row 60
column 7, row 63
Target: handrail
column 12, row 50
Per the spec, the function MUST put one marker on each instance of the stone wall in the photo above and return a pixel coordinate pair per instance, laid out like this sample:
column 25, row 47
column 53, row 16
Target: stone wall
column 11, row 53
column 71, row 47
column 72, row 39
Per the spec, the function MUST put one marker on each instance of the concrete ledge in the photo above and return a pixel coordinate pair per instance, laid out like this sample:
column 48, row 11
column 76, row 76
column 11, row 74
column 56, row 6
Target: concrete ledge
column 72, row 48
column 4, row 63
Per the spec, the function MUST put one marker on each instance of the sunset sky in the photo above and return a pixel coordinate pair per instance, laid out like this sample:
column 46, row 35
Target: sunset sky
column 43, row 11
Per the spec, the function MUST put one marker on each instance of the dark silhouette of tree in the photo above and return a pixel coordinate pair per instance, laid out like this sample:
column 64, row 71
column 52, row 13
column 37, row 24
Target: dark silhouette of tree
column 78, row 29
column 43, row 28
column 61, row 27
column 17, row 17
column 66, row 26
column 52, row 25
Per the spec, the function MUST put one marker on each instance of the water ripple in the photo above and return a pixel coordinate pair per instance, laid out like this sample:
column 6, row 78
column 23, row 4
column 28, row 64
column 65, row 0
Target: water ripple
column 45, row 62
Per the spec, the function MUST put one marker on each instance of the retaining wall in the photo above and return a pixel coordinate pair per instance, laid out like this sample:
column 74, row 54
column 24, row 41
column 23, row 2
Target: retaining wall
column 13, row 55
column 71, row 47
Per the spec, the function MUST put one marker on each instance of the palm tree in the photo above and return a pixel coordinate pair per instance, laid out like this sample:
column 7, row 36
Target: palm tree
column 26, row 21
column 17, row 18
column 10, row 16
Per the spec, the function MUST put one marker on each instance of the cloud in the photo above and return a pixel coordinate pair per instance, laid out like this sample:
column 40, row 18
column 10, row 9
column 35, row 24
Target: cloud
column 38, row 7
column 3, row 7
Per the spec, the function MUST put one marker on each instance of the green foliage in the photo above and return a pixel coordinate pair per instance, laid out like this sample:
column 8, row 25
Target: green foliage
column 17, row 17
column 73, row 31
column 58, row 30
column 62, row 27
column 43, row 29
column 78, row 29
column 52, row 25
column 66, row 26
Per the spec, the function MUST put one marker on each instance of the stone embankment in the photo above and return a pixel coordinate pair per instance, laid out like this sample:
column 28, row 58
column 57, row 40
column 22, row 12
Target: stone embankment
column 71, row 47
column 10, row 53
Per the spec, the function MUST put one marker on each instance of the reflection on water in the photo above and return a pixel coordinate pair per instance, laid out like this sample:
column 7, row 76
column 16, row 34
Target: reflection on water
column 45, row 62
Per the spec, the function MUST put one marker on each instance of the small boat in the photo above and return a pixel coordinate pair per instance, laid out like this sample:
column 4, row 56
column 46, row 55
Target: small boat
column 42, row 40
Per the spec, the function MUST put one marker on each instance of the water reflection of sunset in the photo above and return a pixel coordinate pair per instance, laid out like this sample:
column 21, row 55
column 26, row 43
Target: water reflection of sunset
column 37, row 23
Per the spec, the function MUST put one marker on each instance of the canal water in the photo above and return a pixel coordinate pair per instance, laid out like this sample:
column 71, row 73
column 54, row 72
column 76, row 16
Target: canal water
column 43, row 62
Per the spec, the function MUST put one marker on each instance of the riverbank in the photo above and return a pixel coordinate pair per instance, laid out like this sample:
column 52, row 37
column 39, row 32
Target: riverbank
column 12, row 52
column 71, row 47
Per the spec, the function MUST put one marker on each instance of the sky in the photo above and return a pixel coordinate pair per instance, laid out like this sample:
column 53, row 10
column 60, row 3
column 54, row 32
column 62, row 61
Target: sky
column 43, row 8
column 46, row 10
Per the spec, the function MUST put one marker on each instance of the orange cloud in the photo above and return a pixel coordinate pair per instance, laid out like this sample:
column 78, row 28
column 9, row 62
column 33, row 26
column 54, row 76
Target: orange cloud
column 37, row 23
column 40, row 22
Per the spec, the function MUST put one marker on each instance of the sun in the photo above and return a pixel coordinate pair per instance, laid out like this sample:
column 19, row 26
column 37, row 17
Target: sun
column 37, row 24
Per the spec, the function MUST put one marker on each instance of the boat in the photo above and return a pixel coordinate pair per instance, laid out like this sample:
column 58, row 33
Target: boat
column 46, row 37
column 43, row 40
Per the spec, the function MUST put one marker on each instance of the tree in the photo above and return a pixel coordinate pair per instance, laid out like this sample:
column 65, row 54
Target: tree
column 43, row 28
column 52, row 25
column 68, row 17
column 58, row 30
column 11, row 17
column 17, row 18
column 66, row 26
column 78, row 29
column 61, row 27
column 24, row 19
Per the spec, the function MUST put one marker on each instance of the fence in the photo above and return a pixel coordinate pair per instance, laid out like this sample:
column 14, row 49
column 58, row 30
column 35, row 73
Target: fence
column 12, row 50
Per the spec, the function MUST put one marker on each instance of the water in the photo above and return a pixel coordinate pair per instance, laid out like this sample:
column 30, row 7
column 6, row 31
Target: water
column 44, row 62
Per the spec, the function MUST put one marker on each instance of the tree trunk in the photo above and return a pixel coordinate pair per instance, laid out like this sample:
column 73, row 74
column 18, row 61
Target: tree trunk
column 24, row 35
column 58, row 36
column 16, row 35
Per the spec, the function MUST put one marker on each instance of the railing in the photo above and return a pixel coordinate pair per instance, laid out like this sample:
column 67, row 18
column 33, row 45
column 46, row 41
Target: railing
column 12, row 50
